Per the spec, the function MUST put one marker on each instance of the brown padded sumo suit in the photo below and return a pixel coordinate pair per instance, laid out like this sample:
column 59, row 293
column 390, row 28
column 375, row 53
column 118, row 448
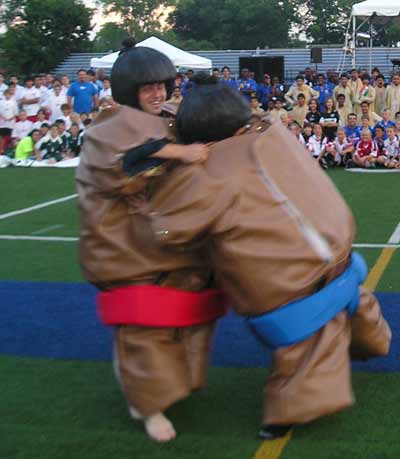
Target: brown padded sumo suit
column 274, row 227
column 157, row 366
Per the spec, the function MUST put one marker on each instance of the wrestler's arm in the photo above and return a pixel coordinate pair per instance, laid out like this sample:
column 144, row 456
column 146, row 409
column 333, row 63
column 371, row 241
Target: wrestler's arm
column 155, row 152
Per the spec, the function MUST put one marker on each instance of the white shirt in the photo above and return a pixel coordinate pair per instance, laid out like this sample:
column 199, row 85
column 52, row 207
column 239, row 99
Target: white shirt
column 31, row 93
column 22, row 129
column 54, row 105
column 44, row 96
column 3, row 87
column 315, row 146
column 392, row 147
column 19, row 90
column 105, row 93
column 8, row 109
column 66, row 119
column 39, row 124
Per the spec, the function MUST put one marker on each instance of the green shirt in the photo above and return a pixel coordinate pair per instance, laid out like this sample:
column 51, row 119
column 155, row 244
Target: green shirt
column 25, row 148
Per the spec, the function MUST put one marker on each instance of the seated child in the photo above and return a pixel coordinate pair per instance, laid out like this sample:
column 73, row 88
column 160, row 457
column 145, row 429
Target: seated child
column 365, row 151
column 74, row 141
column 392, row 148
column 26, row 146
column 316, row 145
column 296, row 130
column 341, row 149
column 381, row 154
column 50, row 147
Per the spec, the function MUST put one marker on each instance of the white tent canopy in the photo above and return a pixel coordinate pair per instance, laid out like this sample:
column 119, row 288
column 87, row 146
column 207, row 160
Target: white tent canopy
column 386, row 8
column 178, row 57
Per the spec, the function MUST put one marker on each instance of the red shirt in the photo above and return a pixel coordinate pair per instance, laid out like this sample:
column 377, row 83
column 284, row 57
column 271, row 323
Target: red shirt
column 365, row 148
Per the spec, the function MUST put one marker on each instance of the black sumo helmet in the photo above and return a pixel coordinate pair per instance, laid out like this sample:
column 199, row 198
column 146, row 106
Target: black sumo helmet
column 137, row 66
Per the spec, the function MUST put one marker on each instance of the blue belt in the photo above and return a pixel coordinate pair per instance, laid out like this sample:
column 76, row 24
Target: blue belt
column 297, row 321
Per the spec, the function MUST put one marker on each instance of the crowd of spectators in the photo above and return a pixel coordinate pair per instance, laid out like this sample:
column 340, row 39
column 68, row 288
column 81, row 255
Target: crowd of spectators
column 350, row 120
column 46, row 117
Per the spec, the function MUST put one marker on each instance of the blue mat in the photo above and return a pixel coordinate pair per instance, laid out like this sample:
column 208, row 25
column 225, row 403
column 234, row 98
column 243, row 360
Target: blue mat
column 58, row 320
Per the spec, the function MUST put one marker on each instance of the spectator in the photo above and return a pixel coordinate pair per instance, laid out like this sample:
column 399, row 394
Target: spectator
column 323, row 89
column 91, row 78
column 100, row 77
column 63, row 134
column 307, row 132
column 341, row 149
column 74, row 141
column 82, row 95
column 344, row 88
column 106, row 89
column 18, row 89
column 393, row 95
column 247, row 86
column 26, row 146
column 300, row 110
column 22, row 127
column 355, row 83
column 385, row 122
column 381, row 155
column 365, row 94
column 342, row 109
column 366, row 125
column 279, row 111
column 66, row 113
column 365, row 151
column 55, row 101
column 296, row 131
column 313, row 115
column 41, row 119
column 215, row 73
column 299, row 87
column 255, row 107
column 264, row 91
column 366, row 110
column 50, row 147
column 277, row 88
column 330, row 120
column 8, row 114
column 176, row 97
column 31, row 100
column 65, row 84
column 380, row 94
column 3, row 86
column 226, row 78
column 316, row 145
column 352, row 130
column 392, row 147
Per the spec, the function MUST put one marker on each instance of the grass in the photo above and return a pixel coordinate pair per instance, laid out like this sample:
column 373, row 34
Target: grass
column 68, row 409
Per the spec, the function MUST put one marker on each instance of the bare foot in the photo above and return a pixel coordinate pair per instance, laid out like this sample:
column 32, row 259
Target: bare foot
column 159, row 428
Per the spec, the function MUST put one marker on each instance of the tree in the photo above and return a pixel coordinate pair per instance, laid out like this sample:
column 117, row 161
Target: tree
column 139, row 18
column 324, row 21
column 109, row 38
column 234, row 24
column 41, row 33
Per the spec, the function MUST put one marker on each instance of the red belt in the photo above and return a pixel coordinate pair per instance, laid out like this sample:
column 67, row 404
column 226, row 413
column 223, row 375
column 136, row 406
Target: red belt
column 154, row 306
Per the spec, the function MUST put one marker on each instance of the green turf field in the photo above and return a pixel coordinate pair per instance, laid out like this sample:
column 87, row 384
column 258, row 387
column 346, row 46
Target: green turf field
column 73, row 409
column 372, row 197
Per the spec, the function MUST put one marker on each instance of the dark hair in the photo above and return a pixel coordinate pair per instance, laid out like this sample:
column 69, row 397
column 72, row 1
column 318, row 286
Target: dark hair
column 45, row 125
column 215, row 69
column 33, row 131
column 59, row 121
column 211, row 112
column 28, row 78
column 136, row 67
column 91, row 72
column 300, row 77
column 226, row 67
column 365, row 77
column 87, row 121
column 301, row 96
column 80, row 70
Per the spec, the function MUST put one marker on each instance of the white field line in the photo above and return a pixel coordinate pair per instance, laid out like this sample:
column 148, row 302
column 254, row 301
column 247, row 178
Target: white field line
column 11, row 237
column 38, row 206
column 47, row 229
column 395, row 237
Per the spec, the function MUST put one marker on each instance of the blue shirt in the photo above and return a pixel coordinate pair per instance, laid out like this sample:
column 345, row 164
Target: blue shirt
column 264, row 93
column 247, row 85
column 324, row 92
column 231, row 83
column 384, row 126
column 83, row 94
column 353, row 134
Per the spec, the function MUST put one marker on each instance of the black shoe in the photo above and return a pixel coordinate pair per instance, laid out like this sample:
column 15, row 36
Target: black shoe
column 323, row 163
column 273, row 431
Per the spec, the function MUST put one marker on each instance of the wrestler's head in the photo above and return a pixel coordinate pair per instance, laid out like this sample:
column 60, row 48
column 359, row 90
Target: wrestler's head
column 210, row 112
column 142, row 78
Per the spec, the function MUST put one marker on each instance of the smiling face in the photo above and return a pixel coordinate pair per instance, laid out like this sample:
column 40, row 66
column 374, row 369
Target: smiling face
column 151, row 97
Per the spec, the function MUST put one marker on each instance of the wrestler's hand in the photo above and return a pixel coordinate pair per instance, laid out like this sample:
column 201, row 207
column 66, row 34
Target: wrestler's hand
column 194, row 153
